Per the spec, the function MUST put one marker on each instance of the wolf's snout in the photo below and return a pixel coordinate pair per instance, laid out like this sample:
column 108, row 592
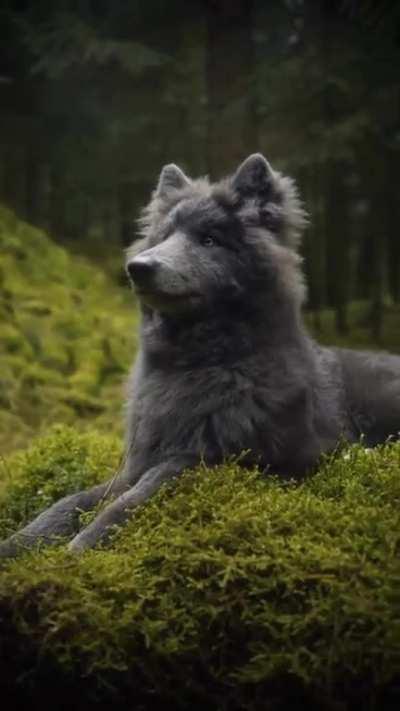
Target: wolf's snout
column 142, row 270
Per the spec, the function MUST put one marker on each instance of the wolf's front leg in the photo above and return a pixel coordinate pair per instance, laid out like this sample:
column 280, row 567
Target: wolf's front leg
column 121, row 509
column 58, row 521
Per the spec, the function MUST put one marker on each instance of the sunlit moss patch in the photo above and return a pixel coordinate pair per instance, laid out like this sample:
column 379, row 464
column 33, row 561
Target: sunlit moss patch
column 67, row 337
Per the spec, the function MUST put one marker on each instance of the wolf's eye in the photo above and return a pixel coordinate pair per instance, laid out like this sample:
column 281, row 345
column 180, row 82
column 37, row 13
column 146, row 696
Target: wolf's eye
column 271, row 218
column 208, row 241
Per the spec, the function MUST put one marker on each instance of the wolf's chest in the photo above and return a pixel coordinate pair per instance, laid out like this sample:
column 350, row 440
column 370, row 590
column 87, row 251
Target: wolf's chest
column 197, row 393
column 212, row 412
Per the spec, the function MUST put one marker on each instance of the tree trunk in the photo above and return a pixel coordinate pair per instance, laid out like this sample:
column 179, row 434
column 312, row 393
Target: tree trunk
column 58, row 222
column 314, row 244
column 125, row 210
column 32, row 183
column 338, row 243
column 393, row 225
column 13, row 181
column 230, row 79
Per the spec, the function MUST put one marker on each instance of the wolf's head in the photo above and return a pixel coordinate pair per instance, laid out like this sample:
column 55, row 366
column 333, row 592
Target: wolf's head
column 226, row 244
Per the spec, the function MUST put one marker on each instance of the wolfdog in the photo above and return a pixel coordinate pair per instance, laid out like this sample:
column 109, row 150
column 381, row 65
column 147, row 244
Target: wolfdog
column 225, row 365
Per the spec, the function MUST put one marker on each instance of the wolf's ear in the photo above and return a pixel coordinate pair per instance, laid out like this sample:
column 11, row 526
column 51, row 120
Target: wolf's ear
column 171, row 178
column 253, row 178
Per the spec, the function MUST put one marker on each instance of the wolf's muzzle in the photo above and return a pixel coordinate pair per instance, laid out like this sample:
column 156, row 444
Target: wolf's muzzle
column 142, row 270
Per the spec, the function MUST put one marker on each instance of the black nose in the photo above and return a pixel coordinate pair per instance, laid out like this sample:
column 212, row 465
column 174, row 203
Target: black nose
column 141, row 271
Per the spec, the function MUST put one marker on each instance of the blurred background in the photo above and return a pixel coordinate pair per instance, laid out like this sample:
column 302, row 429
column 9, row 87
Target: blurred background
column 96, row 96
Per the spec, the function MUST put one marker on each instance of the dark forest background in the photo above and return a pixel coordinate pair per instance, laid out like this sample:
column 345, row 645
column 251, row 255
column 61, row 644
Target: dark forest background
column 96, row 96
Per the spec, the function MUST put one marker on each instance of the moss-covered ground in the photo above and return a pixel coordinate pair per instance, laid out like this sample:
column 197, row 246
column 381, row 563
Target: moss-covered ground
column 67, row 337
column 229, row 590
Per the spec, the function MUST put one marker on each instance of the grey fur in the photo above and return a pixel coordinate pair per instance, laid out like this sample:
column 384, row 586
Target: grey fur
column 225, row 363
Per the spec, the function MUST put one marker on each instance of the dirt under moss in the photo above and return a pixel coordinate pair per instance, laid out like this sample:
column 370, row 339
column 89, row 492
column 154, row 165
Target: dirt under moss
column 229, row 590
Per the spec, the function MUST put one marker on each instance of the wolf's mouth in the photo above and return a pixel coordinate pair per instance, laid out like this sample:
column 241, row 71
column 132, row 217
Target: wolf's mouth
column 156, row 297
column 150, row 293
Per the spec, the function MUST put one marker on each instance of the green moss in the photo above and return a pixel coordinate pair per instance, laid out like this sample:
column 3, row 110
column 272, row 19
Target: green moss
column 67, row 335
column 59, row 463
column 228, row 590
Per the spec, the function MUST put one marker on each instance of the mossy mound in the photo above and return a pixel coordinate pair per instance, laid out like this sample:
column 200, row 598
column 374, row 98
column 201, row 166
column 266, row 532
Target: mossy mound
column 228, row 590
column 59, row 463
column 67, row 337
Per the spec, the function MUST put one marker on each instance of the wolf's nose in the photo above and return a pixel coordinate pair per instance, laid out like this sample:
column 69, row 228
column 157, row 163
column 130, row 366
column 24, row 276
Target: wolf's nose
column 141, row 270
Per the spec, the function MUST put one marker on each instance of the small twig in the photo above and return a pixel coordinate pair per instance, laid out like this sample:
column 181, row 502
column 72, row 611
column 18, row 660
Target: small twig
column 5, row 465
column 119, row 470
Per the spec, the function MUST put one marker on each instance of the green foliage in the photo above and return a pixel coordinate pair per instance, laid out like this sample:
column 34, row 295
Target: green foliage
column 67, row 336
column 228, row 590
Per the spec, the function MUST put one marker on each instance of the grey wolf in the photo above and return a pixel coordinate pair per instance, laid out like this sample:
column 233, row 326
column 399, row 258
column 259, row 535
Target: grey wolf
column 225, row 364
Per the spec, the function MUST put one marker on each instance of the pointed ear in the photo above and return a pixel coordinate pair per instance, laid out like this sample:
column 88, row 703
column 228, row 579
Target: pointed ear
column 253, row 178
column 171, row 178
